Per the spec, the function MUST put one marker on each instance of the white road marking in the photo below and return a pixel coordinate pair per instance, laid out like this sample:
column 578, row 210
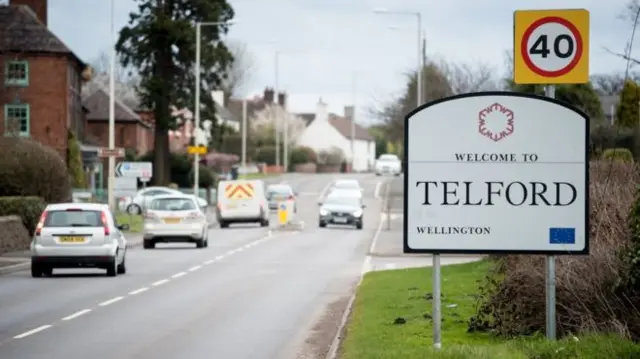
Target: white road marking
column 111, row 301
column 160, row 282
column 178, row 275
column 376, row 192
column 195, row 268
column 138, row 291
column 239, row 249
column 325, row 189
column 33, row 331
column 208, row 262
column 218, row 258
column 76, row 314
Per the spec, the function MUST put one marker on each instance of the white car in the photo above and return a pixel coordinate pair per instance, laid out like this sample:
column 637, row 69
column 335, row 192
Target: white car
column 346, row 187
column 142, row 199
column 388, row 164
column 77, row 235
column 175, row 218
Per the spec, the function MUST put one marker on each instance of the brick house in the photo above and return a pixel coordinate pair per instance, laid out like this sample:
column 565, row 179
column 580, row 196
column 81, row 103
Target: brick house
column 41, row 79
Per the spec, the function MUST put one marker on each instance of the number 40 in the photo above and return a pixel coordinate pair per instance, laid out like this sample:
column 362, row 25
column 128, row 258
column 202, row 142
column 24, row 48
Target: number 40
column 541, row 46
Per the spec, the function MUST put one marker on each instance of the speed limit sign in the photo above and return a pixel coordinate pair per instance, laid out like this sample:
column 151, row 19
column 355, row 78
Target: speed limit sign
column 551, row 46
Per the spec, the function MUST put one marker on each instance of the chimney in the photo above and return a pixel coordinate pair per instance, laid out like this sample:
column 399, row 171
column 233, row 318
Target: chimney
column 282, row 99
column 349, row 112
column 39, row 8
column 268, row 95
column 321, row 111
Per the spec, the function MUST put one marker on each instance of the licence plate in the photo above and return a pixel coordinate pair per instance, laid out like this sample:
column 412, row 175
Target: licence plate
column 232, row 205
column 340, row 220
column 172, row 220
column 72, row 239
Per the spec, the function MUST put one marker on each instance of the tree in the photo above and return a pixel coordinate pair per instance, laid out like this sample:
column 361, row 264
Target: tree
column 241, row 70
column 159, row 42
column 608, row 84
column 628, row 112
column 264, row 122
column 125, row 80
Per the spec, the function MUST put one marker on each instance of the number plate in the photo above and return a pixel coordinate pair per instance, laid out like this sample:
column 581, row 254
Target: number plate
column 72, row 239
column 340, row 220
column 172, row 220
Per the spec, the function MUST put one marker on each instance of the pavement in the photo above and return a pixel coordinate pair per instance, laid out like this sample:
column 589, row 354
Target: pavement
column 254, row 293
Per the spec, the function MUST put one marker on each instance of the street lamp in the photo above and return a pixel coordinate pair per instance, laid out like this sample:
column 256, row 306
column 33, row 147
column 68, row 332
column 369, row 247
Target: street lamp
column 196, row 127
column 111, row 178
column 419, row 19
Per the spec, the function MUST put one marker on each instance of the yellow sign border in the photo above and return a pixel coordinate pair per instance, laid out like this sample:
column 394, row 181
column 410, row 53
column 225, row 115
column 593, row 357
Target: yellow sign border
column 522, row 19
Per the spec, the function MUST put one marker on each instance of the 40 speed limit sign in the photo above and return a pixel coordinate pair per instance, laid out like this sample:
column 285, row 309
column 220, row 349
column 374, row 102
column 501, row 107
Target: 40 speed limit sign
column 551, row 46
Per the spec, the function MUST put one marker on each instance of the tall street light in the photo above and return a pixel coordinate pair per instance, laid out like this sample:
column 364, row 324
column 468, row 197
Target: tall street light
column 111, row 179
column 285, row 131
column 419, row 51
column 196, row 127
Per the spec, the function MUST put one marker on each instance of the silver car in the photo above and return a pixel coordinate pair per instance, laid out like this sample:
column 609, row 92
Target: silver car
column 277, row 193
column 76, row 235
column 175, row 218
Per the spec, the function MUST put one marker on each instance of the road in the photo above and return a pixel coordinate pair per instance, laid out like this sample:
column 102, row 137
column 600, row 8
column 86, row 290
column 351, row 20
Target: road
column 254, row 293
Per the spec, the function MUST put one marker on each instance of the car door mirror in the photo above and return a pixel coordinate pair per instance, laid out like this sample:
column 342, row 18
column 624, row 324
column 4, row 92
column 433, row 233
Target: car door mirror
column 123, row 227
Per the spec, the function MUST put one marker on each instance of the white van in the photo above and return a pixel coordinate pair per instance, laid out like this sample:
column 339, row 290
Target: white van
column 242, row 201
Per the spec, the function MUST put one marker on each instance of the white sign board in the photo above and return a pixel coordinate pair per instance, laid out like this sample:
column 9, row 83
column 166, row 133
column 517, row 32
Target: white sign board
column 496, row 172
column 134, row 169
column 125, row 187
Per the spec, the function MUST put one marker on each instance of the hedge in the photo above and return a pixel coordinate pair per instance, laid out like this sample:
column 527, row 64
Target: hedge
column 27, row 208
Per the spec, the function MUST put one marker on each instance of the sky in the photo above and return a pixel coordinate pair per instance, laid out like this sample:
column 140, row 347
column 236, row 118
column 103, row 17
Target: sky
column 343, row 52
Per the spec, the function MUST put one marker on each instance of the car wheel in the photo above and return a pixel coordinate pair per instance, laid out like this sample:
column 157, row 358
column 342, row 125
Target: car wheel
column 112, row 266
column 224, row 224
column 322, row 224
column 359, row 225
column 148, row 244
column 122, row 267
column 36, row 270
column 47, row 271
column 134, row 209
column 200, row 243
column 264, row 222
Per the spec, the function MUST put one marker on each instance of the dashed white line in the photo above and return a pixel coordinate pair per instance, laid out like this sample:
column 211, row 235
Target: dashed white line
column 208, row 262
column 160, row 282
column 76, row 314
column 376, row 192
column 33, row 331
column 195, row 268
column 218, row 258
column 138, row 291
column 111, row 301
column 178, row 275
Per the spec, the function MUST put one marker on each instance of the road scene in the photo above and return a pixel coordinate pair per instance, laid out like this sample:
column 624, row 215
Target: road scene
column 340, row 180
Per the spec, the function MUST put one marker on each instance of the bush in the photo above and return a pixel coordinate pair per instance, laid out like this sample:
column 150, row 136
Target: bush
column 206, row 177
column 15, row 236
column 74, row 162
column 591, row 295
column 266, row 154
column 28, row 168
column 332, row 157
column 301, row 155
column 618, row 154
column 28, row 209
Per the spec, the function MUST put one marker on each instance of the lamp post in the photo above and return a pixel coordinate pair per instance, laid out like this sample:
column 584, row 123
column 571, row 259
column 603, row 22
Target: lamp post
column 196, row 127
column 112, row 122
column 419, row 49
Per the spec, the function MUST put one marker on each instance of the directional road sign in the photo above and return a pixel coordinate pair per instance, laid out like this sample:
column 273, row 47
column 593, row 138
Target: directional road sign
column 134, row 169
column 107, row 152
column 551, row 46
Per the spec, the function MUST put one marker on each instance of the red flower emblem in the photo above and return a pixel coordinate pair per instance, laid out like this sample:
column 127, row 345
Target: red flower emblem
column 495, row 122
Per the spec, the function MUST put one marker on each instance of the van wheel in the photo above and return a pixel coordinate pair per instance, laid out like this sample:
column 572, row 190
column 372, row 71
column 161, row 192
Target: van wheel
column 224, row 224
column 148, row 244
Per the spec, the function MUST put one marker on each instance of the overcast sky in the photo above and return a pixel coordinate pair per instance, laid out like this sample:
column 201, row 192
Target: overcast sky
column 325, row 43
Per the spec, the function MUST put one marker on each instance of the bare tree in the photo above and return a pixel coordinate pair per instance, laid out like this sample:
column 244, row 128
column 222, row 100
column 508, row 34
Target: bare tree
column 464, row 78
column 241, row 69
column 609, row 84
column 126, row 81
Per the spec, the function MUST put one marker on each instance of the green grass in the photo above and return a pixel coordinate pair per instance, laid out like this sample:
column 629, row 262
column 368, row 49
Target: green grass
column 386, row 296
column 135, row 222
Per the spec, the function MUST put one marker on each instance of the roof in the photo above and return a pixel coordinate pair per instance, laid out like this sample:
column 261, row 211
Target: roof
column 98, row 105
column 23, row 32
column 307, row 117
column 343, row 125
column 235, row 107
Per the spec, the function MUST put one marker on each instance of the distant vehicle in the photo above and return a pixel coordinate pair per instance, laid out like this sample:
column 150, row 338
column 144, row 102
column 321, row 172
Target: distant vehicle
column 280, row 192
column 142, row 199
column 73, row 235
column 388, row 164
column 345, row 210
column 175, row 218
column 242, row 201
column 347, row 183
column 341, row 192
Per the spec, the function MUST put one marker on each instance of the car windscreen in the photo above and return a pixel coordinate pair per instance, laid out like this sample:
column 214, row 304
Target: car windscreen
column 343, row 201
column 172, row 204
column 388, row 158
column 73, row 218
column 278, row 191
column 347, row 184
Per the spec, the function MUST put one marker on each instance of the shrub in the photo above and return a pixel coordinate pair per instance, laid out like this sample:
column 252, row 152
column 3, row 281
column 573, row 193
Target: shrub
column 206, row 177
column 266, row 154
column 591, row 295
column 28, row 209
column 28, row 168
column 15, row 236
column 618, row 154
column 303, row 154
column 332, row 157
column 74, row 162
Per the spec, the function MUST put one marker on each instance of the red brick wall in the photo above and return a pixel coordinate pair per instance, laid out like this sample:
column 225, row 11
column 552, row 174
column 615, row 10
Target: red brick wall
column 127, row 135
column 46, row 96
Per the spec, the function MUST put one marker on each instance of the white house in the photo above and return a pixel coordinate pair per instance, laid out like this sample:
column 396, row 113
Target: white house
column 326, row 130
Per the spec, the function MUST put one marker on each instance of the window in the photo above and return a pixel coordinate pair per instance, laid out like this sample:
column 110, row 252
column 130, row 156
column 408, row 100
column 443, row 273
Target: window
column 16, row 120
column 16, row 73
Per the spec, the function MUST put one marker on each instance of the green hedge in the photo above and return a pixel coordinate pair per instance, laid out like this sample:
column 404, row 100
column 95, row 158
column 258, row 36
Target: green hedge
column 27, row 208
column 620, row 154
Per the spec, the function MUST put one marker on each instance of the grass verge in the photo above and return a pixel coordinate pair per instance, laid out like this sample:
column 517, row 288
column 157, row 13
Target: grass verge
column 391, row 318
column 135, row 222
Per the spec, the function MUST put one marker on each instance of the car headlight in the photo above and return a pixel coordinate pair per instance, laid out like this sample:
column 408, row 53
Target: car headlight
column 357, row 213
column 323, row 212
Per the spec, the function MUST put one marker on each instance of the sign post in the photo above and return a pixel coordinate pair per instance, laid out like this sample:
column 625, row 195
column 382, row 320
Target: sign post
column 495, row 172
column 551, row 47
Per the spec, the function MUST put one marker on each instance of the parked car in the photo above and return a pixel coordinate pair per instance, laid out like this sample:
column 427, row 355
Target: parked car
column 341, row 209
column 141, row 200
column 175, row 218
column 73, row 235
column 388, row 164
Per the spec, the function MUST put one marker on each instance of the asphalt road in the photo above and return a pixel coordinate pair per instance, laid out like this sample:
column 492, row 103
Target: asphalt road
column 254, row 293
